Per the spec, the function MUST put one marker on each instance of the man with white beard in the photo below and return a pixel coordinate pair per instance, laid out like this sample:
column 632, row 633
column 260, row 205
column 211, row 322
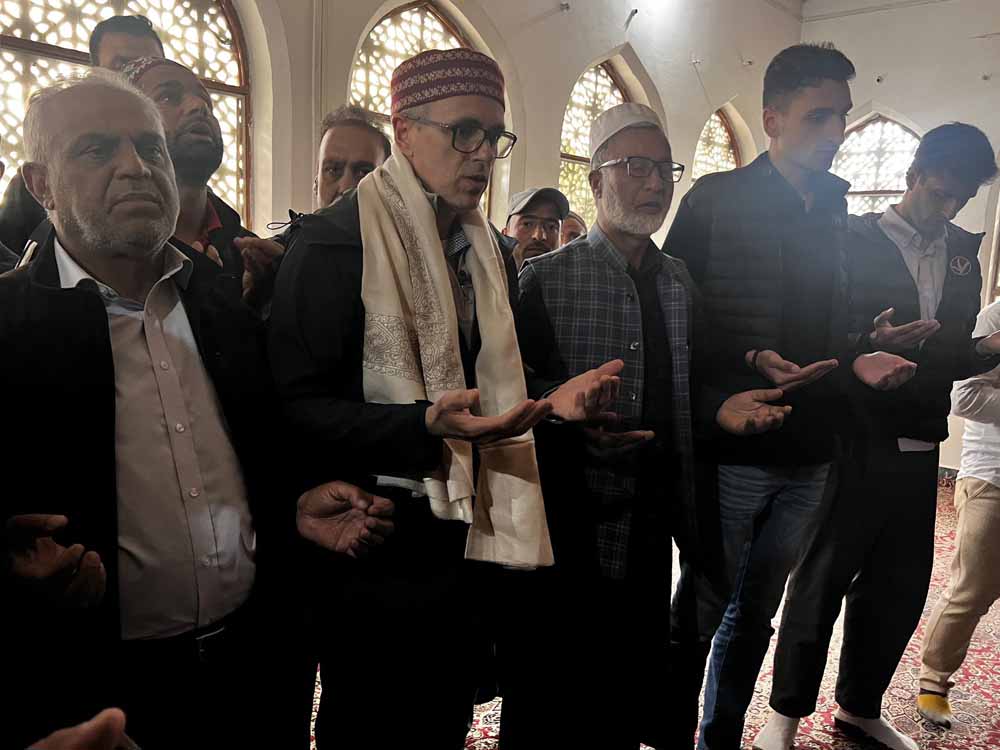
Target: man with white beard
column 613, row 294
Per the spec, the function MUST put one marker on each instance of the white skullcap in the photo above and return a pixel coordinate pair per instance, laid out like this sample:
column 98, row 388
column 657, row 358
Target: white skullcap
column 613, row 121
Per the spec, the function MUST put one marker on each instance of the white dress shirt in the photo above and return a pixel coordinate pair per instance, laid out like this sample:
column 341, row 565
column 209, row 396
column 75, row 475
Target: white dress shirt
column 185, row 540
column 977, row 400
column 927, row 262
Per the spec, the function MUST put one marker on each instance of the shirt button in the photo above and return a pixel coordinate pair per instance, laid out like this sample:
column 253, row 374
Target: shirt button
column 194, row 492
column 632, row 396
column 179, row 427
column 634, row 345
column 205, row 562
column 164, row 365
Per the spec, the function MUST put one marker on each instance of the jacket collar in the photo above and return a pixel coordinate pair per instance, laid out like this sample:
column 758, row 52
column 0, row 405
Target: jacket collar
column 824, row 184
column 599, row 242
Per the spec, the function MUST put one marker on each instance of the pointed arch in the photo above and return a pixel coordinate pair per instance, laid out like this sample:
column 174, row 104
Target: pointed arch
column 718, row 148
column 598, row 89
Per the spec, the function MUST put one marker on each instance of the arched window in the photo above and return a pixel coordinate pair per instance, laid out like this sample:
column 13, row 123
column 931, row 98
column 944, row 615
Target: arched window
column 44, row 40
column 596, row 91
column 399, row 36
column 717, row 149
column 874, row 159
column 405, row 32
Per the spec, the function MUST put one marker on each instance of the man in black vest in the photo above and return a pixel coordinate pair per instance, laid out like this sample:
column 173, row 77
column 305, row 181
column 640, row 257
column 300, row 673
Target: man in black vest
column 910, row 263
column 765, row 245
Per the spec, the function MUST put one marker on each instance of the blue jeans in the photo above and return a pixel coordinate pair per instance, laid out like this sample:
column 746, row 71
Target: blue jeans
column 769, row 514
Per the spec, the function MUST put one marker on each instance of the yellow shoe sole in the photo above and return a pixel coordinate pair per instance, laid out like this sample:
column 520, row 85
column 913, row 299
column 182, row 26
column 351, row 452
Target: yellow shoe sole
column 936, row 709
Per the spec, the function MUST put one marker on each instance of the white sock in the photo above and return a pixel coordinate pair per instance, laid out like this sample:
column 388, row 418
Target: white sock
column 778, row 733
column 879, row 730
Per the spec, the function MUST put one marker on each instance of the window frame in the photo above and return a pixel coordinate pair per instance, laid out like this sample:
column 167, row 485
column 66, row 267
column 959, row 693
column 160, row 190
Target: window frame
column 79, row 57
column 616, row 80
column 734, row 143
column 861, row 125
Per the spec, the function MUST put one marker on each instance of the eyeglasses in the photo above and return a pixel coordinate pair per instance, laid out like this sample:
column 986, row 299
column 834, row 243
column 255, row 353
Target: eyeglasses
column 468, row 138
column 640, row 166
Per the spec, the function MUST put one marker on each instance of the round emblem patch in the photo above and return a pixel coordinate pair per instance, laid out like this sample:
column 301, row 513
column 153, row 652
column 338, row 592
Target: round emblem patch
column 960, row 265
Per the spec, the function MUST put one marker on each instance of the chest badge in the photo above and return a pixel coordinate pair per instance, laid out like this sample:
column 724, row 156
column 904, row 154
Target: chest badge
column 960, row 265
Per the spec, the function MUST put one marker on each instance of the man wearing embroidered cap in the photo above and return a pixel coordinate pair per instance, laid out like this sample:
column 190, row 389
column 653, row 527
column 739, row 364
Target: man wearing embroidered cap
column 394, row 346
column 533, row 220
column 614, row 294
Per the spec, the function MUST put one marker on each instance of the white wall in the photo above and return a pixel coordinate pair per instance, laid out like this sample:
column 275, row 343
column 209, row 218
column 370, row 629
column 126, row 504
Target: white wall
column 933, row 71
column 542, row 51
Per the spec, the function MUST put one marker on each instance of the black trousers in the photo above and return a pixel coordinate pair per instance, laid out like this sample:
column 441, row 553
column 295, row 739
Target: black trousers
column 876, row 549
column 225, row 689
column 397, row 635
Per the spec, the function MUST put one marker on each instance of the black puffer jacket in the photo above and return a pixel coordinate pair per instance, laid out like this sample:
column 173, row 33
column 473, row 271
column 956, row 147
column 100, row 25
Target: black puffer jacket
column 879, row 279
column 772, row 276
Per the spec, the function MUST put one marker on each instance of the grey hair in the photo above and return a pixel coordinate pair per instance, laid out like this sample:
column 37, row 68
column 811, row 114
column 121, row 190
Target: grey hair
column 601, row 155
column 40, row 124
column 350, row 114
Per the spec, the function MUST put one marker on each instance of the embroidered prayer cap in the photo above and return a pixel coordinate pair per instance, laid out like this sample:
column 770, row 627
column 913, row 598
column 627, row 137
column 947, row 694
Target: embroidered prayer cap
column 611, row 122
column 520, row 201
column 442, row 74
column 136, row 69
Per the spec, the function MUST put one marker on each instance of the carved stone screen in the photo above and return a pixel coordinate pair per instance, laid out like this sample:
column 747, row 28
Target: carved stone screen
column 595, row 92
column 44, row 40
column 395, row 38
column 716, row 150
column 874, row 159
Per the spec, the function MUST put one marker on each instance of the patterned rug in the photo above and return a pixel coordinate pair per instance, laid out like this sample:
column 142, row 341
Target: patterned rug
column 974, row 699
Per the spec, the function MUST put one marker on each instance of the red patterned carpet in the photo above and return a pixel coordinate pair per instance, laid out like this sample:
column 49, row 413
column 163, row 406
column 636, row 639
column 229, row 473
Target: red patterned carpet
column 975, row 699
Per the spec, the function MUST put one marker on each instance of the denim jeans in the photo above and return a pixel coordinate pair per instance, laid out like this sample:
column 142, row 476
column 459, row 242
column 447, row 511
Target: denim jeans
column 769, row 514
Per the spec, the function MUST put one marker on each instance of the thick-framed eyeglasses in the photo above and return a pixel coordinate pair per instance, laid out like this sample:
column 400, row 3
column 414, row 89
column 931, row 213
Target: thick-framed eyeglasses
column 640, row 166
column 468, row 138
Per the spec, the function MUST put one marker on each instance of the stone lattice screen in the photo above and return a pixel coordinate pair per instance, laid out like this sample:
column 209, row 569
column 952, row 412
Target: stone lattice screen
column 44, row 40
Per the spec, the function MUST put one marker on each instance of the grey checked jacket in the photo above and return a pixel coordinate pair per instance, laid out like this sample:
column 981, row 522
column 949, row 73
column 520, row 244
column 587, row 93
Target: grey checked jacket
column 578, row 309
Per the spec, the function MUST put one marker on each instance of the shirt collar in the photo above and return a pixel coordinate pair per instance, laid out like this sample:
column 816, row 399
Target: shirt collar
column 905, row 236
column 211, row 222
column 71, row 273
column 652, row 260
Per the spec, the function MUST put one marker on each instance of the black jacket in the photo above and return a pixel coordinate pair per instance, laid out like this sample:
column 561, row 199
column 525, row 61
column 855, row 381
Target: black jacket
column 57, row 376
column 879, row 279
column 20, row 215
column 8, row 259
column 771, row 276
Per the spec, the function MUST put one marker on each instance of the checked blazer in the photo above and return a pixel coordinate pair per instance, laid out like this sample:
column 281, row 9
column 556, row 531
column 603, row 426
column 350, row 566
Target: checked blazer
column 578, row 308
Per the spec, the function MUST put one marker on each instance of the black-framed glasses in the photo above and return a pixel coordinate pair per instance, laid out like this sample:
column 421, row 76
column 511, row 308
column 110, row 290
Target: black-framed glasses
column 468, row 138
column 640, row 166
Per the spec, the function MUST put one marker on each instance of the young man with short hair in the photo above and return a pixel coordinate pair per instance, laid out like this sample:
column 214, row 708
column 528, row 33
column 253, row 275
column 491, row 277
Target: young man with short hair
column 118, row 40
column 876, row 549
column 765, row 244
